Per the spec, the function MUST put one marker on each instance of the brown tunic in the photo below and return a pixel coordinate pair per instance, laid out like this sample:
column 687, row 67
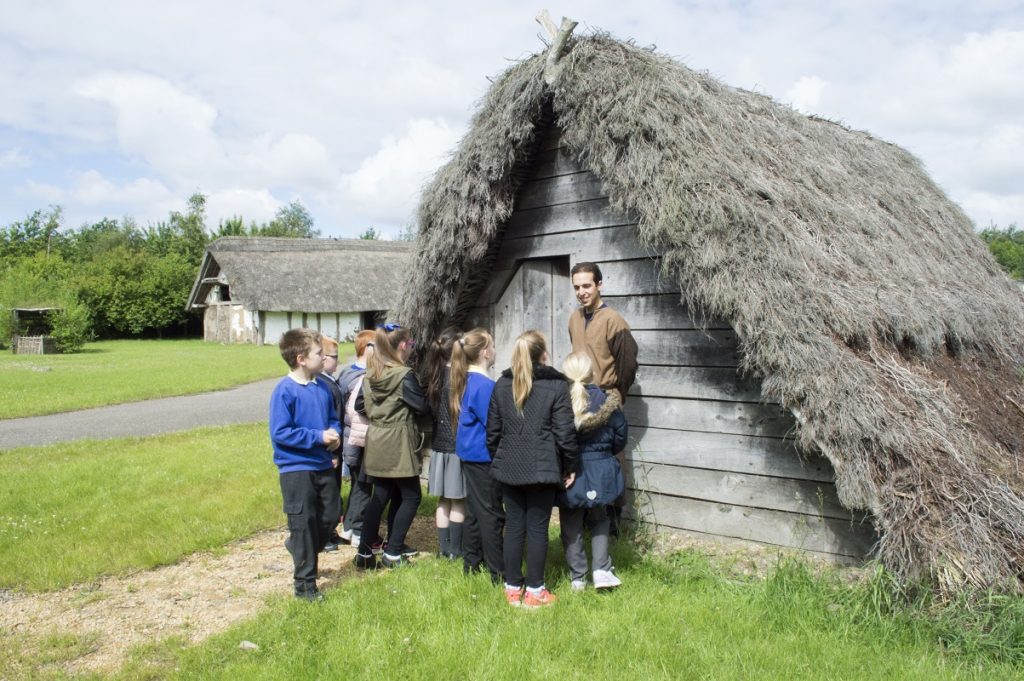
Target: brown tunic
column 610, row 344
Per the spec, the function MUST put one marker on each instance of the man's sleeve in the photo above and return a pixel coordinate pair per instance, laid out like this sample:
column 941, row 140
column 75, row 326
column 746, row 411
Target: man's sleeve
column 624, row 351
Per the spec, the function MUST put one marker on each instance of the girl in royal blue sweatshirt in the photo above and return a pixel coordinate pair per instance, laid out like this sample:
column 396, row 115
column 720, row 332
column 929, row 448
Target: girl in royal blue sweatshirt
column 470, row 397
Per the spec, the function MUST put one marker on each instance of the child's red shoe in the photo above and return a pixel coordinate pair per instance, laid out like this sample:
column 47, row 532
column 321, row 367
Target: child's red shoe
column 538, row 599
column 514, row 596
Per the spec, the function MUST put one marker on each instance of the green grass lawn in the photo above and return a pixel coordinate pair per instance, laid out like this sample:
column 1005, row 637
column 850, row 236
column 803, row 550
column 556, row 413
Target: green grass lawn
column 674, row 618
column 72, row 512
column 111, row 372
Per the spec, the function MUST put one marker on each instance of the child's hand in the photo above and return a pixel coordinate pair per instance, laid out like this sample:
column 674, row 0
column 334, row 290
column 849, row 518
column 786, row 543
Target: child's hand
column 331, row 437
column 569, row 479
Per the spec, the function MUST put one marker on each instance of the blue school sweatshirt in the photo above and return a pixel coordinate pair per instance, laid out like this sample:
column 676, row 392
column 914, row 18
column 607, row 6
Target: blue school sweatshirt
column 299, row 415
column 471, row 437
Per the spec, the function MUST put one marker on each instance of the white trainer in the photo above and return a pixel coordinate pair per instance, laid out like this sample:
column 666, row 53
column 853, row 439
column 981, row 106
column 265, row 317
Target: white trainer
column 606, row 579
column 579, row 584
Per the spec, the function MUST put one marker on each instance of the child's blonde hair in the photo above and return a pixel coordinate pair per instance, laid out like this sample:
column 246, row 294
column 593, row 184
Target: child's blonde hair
column 527, row 351
column 466, row 350
column 578, row 368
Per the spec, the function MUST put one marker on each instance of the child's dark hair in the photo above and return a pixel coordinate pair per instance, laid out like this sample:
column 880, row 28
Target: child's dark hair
column 295, row 342
column 587, row 267
column 439, row 353
column 386, row 340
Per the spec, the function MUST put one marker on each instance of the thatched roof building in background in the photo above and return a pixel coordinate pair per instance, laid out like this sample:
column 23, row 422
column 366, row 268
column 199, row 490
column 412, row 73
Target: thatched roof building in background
column 273, row 284
column 859, row 292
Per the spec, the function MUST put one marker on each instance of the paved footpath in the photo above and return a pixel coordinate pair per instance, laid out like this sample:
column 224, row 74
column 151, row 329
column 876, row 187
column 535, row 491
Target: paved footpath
column 242, row 404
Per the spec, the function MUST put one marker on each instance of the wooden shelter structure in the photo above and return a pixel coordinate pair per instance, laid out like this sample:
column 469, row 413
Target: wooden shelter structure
column 253, row 289
column 32, row 329
column 830, row 358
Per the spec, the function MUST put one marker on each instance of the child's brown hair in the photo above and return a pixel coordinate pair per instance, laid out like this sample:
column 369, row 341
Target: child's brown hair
column 295, row 342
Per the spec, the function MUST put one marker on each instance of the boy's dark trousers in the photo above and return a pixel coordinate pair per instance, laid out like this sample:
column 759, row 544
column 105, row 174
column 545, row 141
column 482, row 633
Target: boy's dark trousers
column 312, row 504
column 482, row 533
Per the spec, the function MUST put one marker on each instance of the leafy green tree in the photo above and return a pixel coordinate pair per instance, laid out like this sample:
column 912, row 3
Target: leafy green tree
column 132, row 292
column 183, row 233
column 371, row 234
column 98, row 239
column 1007, row 246
column 292, row 221
column 40, row 231
column 234, row 226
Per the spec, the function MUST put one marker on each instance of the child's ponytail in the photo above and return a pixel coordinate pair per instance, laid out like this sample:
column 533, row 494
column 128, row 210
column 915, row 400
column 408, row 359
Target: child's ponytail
column 578, row 368
column 527, row 351
column 438, row 355
column 466, row 350
column 385, row 349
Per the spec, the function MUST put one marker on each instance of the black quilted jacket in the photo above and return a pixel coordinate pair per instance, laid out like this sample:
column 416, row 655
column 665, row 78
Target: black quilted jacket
column 538, row 447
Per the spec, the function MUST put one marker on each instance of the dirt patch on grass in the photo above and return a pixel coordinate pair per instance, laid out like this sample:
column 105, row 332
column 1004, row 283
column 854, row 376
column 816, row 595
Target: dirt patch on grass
column 200, row 596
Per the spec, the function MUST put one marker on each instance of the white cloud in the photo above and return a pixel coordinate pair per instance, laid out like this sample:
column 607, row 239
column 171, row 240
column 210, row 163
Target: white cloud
column 257, row 105
column 14, row 158
column 170, row 129
column 42, row 191
column 387, row 183
column 251, row 204
column 805, row 95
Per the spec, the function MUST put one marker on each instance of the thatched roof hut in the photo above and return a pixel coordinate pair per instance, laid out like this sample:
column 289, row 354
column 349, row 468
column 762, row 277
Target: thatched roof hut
column 254, row 288
column 858, row 292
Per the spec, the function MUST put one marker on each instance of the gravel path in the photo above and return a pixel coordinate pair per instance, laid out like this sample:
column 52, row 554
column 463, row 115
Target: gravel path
column 199, row 596
column 242, row 404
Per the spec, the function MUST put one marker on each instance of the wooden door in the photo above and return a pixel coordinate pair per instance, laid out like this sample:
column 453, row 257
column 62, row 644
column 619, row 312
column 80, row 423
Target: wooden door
column 538, row 296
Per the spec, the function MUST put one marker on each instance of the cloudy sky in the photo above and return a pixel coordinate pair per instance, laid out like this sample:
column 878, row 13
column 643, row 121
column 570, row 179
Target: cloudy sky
column 126, row 108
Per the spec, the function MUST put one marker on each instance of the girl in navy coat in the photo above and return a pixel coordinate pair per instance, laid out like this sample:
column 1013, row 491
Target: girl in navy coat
column 601, row 431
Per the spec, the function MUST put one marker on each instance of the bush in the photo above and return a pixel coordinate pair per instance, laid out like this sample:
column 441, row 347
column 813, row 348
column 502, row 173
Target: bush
column 71, row 326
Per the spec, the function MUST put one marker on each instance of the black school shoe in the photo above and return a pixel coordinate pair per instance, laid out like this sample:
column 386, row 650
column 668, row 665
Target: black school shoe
column 363, row 562
column 406, row 552
column 309, row 593
column 393, row 560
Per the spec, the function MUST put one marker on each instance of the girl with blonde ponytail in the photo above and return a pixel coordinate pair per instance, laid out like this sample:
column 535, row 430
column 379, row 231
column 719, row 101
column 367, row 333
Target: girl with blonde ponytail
column 471, row 389
column 532, row 439
column 602, row 431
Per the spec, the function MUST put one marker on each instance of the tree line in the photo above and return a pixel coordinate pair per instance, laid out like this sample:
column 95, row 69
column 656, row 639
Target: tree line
column 114, row 278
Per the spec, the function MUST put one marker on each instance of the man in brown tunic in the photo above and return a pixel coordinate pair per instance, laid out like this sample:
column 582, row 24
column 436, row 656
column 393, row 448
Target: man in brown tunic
column 601, row 332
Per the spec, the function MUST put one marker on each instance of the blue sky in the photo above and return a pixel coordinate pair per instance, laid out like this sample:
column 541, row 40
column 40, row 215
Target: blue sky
column 118, row 108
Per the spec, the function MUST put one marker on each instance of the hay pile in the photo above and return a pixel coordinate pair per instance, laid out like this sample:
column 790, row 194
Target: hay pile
column 844, row 269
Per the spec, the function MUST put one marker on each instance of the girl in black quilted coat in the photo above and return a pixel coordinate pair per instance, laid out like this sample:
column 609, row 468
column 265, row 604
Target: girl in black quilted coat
column 531, row 435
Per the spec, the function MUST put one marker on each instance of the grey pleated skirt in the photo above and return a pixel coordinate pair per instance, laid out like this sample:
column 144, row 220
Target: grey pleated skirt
column 446, row 476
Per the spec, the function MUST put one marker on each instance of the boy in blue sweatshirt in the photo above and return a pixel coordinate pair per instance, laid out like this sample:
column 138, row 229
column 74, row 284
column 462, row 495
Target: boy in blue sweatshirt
column 304, row 431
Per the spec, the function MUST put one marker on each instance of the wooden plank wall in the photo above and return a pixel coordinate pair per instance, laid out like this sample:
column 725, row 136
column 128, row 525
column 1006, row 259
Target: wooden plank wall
column 706, row 455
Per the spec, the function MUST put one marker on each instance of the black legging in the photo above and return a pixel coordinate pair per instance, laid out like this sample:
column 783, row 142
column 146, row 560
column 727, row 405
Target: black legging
column 527, row 514
column 409, row 489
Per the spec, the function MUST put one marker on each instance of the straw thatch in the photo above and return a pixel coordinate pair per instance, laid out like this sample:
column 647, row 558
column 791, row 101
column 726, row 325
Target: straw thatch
column 859, row 292
column 277, row 274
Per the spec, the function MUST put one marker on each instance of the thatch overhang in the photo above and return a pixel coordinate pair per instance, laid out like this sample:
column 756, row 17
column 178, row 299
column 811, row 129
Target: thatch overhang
column 859, row 291
column 308, row 275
